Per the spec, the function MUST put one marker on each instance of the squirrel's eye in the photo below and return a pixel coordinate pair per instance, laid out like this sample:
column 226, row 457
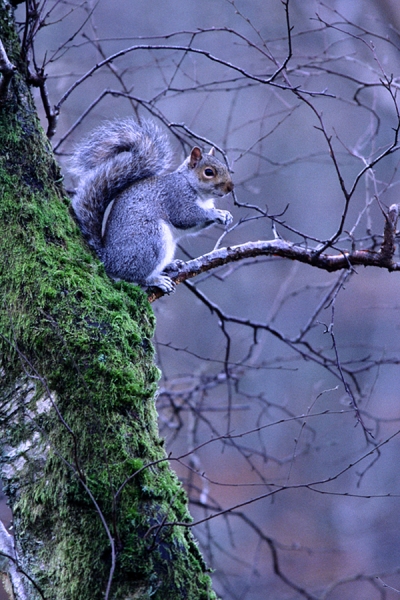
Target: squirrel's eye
column 209, row 172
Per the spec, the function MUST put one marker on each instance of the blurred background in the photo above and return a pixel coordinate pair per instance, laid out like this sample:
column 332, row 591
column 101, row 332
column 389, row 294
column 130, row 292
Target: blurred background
column 279, row 390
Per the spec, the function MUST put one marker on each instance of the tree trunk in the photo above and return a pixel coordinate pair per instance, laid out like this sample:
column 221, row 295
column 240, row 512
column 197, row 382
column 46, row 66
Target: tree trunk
column 81, row 460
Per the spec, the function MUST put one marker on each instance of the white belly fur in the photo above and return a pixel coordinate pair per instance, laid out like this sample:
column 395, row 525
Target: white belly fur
column 169, row 245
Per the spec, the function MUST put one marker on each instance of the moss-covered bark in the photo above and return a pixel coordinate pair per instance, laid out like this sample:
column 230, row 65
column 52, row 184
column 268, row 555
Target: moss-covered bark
column 78, row 380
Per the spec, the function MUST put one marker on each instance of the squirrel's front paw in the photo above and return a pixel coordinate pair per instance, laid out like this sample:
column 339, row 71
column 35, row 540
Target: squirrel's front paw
column 224, row 217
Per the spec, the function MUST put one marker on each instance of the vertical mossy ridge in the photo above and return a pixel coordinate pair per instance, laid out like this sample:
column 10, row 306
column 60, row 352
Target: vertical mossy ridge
column 78, row 380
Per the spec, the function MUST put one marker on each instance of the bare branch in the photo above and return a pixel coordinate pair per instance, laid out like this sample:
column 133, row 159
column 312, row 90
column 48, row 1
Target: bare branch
column 278, row 247
column 186, row 49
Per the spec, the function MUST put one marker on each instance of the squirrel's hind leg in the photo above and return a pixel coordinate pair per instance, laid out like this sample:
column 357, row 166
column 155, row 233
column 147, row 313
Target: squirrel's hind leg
column 163, row 282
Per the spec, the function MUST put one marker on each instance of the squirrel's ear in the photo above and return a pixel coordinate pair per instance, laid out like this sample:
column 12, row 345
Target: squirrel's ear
column 212, row 151
column 195, row 157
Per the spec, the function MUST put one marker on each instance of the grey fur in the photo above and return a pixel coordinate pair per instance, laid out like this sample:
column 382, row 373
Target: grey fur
column 131, row 210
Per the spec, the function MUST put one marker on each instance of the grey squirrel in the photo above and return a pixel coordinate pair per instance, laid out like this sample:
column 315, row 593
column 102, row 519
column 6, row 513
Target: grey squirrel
column 132, row 210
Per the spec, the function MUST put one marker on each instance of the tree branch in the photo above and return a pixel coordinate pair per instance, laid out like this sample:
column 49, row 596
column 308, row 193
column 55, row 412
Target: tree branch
column 268, row 80
column 278, row 247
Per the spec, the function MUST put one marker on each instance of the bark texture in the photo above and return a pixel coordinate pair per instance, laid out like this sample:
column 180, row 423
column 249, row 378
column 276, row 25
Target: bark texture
column 81, row 460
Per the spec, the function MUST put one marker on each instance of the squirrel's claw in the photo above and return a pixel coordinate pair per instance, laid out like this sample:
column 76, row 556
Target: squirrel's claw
column 224, row 217
column 163, row 282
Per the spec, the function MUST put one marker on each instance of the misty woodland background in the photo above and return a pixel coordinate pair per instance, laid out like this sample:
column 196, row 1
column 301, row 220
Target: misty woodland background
column 279, row 396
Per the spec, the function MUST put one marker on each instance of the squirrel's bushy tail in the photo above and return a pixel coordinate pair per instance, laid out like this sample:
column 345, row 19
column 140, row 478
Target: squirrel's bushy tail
column 113, row 157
